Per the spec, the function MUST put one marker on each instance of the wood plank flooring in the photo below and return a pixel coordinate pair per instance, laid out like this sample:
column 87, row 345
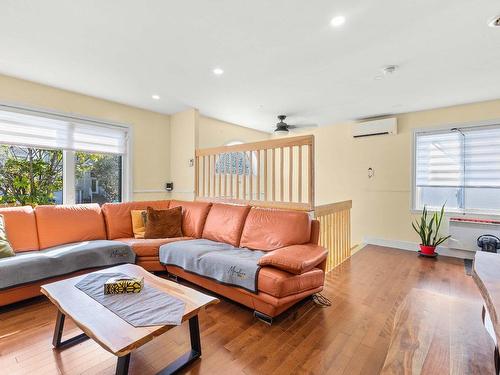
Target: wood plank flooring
column 350, row 337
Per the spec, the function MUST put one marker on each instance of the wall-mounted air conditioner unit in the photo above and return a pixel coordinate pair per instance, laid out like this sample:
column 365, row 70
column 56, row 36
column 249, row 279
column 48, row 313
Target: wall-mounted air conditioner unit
column 375, row 127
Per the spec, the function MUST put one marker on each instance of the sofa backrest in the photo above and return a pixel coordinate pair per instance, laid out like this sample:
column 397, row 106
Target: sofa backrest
column 20, row 225
column 270, row 229
column 62, row 224
column 118, row 219
column 225, row 222
column 194, row 215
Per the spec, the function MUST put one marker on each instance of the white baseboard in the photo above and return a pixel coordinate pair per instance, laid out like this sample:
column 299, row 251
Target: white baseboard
column 413, row 246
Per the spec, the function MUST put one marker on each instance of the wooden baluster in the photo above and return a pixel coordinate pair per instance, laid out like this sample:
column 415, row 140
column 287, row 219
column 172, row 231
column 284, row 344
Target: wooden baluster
column 331, row 248
column 209, row 175
column 266, row 182
column 244, row 175
column 282, row 174
column 349, row 232
column 258, row 175
column 214, row 176
column 311, row 174
column 231, row 195
column 339, row 233
column 197, row 176
column 290, row 175
column 299, row 177
column 251, row 176
column 238, row 179
column 274, row 175
column 204, row 172
column 225, row 176
column 220, row 176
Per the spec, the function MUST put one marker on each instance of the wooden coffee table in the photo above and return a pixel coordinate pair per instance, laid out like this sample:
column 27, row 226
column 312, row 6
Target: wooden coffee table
column 113, row 333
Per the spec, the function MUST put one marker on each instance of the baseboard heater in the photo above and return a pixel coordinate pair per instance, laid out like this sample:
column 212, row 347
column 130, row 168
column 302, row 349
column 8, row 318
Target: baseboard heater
column 465, row 232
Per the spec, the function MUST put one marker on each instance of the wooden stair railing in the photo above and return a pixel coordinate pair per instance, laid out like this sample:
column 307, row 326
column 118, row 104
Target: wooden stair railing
column 335, row 231
column 274, row 173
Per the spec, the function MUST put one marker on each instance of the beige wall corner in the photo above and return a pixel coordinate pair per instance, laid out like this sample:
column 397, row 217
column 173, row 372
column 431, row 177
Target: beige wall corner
column 151, row 130
column 183, row 143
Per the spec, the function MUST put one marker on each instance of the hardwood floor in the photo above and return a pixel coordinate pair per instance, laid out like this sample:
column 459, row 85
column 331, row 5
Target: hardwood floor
column 350, row 337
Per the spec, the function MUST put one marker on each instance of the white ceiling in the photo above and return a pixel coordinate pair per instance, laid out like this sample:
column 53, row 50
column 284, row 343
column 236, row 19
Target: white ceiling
column 279, row 56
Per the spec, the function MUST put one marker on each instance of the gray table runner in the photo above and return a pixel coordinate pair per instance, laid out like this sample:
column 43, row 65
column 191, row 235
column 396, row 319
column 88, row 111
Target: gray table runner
column 150, row 307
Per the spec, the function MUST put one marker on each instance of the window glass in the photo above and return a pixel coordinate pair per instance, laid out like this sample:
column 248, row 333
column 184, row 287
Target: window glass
column 30, row 176
column 97, row 178
column 459, row 167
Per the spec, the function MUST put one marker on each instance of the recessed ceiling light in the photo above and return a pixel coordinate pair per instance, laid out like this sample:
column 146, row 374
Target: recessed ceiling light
column 390, row 69
column 218, row 71
column 337, row 21
column 155, row 97
column 494, row 22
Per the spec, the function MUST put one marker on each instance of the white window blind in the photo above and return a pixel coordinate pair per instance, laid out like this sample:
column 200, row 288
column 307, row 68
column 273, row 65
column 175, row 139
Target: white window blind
column 38, row 129
column 460, row 166
column 439, row 160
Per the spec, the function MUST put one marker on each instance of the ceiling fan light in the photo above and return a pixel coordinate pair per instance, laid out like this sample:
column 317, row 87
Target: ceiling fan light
column 281, row 131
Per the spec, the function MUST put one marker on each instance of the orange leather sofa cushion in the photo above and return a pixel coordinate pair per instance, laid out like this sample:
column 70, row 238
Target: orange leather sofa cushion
column 63, row 224
column 279, row 283
column 295, row 259
column 20, row 225
column 119, row 220
column 269, row 229
column 194, row 215
column 225, row 222
column 149, row 247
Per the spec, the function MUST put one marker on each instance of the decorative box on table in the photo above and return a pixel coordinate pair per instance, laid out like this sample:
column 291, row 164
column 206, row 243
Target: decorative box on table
column 122, row 285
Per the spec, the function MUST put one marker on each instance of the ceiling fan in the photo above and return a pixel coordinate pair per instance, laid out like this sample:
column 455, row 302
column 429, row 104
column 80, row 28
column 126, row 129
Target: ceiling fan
column 283, row 127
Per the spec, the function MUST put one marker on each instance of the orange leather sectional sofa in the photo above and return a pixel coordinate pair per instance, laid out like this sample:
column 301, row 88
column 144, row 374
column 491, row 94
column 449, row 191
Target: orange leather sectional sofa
column 290, row 236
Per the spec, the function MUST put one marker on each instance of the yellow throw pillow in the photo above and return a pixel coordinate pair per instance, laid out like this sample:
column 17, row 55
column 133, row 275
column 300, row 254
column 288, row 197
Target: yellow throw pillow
column 138, row 226
column 5, row 248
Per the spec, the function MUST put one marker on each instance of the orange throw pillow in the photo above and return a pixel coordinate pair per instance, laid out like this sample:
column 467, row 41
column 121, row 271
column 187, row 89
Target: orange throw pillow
column 138, row 226
column 163, row 223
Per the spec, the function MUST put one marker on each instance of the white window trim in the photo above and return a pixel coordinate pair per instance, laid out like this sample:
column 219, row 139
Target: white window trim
column 68, row 167
column 444, row 128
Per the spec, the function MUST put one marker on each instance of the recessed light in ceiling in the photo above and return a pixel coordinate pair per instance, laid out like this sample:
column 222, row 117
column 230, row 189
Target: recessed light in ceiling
column 218, row 71
column 386, row 71
column 494, row 22
column 337, row 21
column 390, row 69
column 155, row 97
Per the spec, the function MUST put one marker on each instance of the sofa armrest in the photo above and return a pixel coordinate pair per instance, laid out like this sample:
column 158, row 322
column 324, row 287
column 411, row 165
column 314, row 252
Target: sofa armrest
column 295, row 259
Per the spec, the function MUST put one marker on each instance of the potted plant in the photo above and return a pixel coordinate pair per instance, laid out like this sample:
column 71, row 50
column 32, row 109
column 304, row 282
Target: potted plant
column 428, row 230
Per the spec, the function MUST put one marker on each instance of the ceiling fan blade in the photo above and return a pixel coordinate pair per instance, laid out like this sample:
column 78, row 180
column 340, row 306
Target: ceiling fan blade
column 303, row 126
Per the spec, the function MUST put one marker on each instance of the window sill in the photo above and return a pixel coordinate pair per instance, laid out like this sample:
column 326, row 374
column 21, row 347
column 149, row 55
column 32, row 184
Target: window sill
column 473, row 214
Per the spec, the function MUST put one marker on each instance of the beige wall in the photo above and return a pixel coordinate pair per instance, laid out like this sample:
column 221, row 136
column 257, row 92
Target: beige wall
column 183, row 143
column 381, row 205
column 214, row 133
column 151, row 131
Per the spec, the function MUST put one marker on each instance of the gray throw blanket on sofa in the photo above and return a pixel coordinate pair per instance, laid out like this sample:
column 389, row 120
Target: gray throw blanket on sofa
column 219, row 261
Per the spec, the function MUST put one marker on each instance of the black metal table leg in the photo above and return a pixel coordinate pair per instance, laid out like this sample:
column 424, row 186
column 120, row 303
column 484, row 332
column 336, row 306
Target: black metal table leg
column 122, row 365
column 192, row 355
column 58, row 331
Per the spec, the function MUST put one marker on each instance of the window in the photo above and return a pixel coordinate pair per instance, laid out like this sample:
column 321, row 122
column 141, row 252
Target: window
column 237, row 163
column 459, row 166
column 48, row 158
column 98, row 178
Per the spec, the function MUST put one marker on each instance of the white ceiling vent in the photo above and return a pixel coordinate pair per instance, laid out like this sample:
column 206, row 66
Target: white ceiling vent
column 375, row 127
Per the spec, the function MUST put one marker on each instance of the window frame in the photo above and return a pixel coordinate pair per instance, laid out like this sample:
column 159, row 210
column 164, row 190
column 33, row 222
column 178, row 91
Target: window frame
column 443, row 129
column 68, row 155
